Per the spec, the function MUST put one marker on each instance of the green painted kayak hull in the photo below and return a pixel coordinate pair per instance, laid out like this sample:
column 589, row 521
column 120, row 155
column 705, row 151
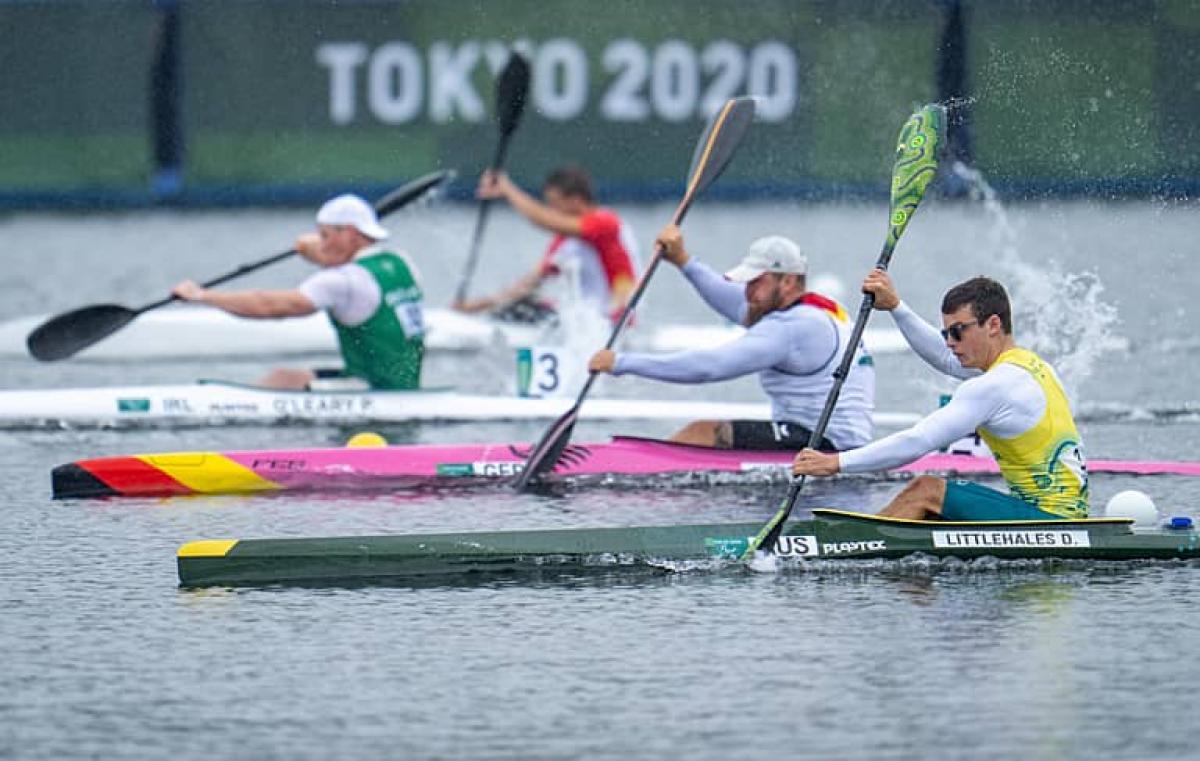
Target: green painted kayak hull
column 830, row 535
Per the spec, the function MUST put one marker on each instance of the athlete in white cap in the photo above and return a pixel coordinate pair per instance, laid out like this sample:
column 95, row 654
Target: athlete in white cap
column 371, row 294
column 794, row 341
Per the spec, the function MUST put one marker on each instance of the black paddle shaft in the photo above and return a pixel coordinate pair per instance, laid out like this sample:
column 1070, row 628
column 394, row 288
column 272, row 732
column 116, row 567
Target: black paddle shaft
column 245, row 269
column 839, row 379
column 512, row 90
column 485, row 205
column 917, row 154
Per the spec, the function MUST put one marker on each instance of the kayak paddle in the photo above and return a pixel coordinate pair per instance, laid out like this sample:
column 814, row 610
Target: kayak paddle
column 713, row 153
column 917, row 152
column 512, row 90
column 68, row 333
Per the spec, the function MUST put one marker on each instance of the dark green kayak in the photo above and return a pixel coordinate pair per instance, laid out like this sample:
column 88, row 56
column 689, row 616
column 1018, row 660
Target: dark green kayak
column 829, row 535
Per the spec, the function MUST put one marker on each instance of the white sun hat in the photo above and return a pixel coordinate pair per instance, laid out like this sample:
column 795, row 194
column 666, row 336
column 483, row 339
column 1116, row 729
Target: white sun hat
column 773, row 253
column 351, row 210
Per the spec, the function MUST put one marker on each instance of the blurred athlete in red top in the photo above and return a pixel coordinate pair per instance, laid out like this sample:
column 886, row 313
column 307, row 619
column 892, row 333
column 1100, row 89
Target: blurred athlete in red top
column 588, row 239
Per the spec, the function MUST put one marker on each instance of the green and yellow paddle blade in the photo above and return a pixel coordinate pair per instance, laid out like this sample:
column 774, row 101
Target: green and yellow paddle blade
column 917, row 152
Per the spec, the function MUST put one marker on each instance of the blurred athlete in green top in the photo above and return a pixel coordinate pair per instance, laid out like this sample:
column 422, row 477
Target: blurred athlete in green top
column 371, row 295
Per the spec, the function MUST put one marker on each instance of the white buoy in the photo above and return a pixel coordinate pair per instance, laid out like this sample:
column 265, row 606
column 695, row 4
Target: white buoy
column 1135, row 504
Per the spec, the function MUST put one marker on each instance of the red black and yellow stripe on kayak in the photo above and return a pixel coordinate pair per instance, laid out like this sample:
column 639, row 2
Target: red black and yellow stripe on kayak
column 157, row 475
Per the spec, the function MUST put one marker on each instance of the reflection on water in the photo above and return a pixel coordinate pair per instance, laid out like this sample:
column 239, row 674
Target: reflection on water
column 1044, row 596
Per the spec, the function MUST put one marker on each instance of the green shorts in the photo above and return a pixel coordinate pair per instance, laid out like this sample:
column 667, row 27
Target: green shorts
column 967, row 501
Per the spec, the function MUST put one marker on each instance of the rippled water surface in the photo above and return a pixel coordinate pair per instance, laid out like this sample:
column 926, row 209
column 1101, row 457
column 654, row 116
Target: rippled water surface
column 103, row 655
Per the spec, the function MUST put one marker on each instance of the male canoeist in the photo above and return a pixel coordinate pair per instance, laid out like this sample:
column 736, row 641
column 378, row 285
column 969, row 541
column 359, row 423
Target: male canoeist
column 1010, row 396
column 371, row 294
column 794, row 341
column 590, row 240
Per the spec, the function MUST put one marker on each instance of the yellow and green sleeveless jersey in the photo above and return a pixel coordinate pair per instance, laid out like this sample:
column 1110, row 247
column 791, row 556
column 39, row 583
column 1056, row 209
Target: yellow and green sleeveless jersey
column 1044, row 466
column 388, row 348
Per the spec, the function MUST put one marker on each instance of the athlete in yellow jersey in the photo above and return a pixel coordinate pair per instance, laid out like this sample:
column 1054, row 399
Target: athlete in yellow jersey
column 1010, row 396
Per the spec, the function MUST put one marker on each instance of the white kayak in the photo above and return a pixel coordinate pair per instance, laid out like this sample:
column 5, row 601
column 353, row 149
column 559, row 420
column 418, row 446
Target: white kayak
column 195, row 332
column 223, row 403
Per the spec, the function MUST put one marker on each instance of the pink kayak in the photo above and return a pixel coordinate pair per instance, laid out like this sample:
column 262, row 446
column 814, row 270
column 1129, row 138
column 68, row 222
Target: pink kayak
column 391, row 467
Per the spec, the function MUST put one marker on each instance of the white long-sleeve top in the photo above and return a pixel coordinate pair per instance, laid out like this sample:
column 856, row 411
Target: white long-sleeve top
column 1006, row 400
column 794, row 351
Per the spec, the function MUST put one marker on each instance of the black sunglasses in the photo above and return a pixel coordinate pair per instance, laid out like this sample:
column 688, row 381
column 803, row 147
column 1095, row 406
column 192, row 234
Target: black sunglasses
column 955, row 331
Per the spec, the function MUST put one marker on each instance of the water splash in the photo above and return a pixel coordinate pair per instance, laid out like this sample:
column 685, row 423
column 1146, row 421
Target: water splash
column 578, row 332
column 1060, row 315
column 764, row 562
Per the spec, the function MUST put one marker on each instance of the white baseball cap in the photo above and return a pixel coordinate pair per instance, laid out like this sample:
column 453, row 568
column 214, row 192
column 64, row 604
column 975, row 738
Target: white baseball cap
column 351, row 210
column 773, row 253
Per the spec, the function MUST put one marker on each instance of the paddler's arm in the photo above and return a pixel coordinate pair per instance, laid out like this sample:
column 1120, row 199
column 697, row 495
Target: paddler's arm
column 970, row 408
column 256, row 304
column 621, row 290
column 726, row 298
column 702, row 366
column 495, row 185
column 924, row 338
column 526, row 285
column 767, row 344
